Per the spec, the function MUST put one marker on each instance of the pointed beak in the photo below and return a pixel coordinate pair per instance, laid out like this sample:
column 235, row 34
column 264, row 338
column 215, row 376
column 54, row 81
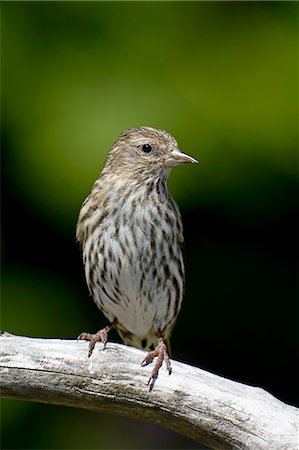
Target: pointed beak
column 177, row 157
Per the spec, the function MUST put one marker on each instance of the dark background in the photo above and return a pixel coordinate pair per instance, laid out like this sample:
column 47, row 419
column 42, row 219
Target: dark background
column 220, row 77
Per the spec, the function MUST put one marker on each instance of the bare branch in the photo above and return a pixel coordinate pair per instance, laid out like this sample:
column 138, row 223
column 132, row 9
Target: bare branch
column 215, row 411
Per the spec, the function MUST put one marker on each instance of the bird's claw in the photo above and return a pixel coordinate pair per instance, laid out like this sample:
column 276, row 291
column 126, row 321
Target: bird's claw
column 161, row 353
column 100, row 336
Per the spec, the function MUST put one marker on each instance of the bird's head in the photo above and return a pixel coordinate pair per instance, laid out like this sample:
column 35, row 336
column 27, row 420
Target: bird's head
column 145, row 152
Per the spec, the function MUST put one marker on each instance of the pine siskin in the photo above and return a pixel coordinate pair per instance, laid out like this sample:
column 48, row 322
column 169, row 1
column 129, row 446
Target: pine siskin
column 131, row 235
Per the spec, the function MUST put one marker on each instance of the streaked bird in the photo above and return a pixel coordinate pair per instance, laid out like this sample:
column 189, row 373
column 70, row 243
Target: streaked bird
column 131, row 235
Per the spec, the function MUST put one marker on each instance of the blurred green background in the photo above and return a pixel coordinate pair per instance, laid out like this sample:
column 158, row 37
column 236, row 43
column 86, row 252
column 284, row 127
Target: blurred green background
column 222, row 78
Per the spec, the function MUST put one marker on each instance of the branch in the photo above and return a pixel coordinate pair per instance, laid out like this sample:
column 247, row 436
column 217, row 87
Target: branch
column 215, row 411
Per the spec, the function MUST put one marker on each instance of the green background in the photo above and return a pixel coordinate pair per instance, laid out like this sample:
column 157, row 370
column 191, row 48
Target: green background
column 222, row 78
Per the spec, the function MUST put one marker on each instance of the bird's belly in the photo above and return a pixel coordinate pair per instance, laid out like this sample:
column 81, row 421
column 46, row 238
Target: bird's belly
column 132, row 278
column 128, row 290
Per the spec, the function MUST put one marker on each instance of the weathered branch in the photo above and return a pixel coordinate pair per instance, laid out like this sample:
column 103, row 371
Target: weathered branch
column 212, row 410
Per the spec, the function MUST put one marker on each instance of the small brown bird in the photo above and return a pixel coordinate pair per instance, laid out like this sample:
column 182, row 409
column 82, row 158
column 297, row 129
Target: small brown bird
column 131, row 235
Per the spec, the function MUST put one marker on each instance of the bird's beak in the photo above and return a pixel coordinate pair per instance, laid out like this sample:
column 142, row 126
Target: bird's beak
column 177, row 157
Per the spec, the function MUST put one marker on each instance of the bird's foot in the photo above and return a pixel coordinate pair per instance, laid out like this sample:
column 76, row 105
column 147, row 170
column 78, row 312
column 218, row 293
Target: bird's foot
column 162, row 355
column 100, row 336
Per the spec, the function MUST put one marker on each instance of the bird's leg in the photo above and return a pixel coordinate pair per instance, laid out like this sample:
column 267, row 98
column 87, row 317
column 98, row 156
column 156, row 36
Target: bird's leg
column 162, row 355
column 100, row 336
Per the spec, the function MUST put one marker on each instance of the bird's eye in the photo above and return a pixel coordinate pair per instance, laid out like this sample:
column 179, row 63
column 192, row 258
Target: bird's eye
column 146, row 148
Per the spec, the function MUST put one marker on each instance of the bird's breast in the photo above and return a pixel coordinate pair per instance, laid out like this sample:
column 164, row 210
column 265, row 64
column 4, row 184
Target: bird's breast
column 134, row 266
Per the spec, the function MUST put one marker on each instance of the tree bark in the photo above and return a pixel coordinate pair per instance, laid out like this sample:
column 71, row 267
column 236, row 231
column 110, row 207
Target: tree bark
column 220, row 413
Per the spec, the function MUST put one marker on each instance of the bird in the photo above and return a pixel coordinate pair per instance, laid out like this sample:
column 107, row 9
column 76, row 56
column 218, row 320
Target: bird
column 130, row 233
